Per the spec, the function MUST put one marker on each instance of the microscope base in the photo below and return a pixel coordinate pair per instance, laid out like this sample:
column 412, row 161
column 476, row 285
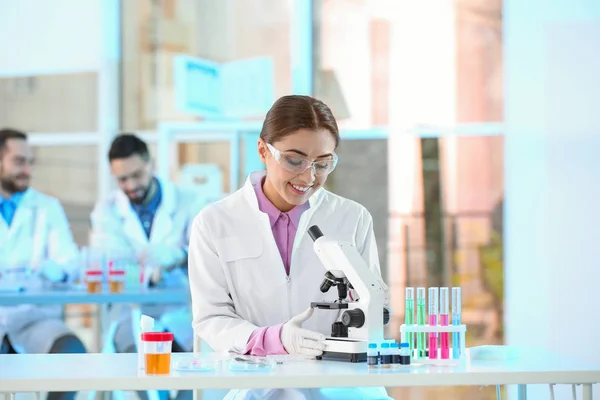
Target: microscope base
column 344, row 349
column 351, row 357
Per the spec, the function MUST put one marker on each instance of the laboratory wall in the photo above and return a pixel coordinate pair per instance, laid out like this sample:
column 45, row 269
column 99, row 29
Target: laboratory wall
column 552, row 169
column 48, row 85
column 46, row 32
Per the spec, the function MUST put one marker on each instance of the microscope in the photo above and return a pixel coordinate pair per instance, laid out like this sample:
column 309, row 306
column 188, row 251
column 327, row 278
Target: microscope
column 362, row 319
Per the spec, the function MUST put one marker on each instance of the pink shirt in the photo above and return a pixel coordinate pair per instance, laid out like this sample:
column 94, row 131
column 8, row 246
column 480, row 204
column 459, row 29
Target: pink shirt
column 266, row 340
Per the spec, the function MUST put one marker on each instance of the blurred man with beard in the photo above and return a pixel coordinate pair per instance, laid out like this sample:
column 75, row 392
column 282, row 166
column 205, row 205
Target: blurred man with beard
column 36, row 245
column 147, row 219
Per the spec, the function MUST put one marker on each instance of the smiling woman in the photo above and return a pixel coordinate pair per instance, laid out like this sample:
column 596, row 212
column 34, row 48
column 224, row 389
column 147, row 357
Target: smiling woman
column 249, row 295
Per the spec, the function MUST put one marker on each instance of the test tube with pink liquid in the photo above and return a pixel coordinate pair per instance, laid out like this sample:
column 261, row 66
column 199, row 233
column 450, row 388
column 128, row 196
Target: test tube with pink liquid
column 433, row 320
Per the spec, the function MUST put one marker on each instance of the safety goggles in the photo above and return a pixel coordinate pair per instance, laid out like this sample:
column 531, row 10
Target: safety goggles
column 297, row 164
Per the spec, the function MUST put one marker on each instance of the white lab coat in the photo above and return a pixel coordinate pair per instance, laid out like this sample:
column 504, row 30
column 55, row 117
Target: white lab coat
column 116, row 226
column 237, row 277
column 39, row 232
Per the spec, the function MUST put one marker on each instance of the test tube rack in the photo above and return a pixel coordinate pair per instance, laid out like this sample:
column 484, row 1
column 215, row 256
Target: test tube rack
column 460, row 329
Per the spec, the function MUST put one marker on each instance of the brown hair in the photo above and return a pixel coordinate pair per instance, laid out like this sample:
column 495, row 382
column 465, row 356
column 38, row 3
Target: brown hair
column 8, row 133
column 126, row 145
column 294, row 112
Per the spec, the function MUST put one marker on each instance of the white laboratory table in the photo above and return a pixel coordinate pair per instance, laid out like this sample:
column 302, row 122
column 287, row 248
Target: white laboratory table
column 77, row 372
column 80, row 296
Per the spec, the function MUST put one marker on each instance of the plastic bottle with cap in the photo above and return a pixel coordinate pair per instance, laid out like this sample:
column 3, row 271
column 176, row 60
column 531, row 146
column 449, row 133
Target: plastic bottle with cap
column 395, row 349
column 386, row 355
column 372, row 356
column 146, row 325
column 404, row 354
column 157, row 352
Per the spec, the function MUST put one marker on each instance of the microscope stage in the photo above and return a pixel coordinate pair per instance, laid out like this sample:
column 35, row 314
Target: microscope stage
column 328, row 305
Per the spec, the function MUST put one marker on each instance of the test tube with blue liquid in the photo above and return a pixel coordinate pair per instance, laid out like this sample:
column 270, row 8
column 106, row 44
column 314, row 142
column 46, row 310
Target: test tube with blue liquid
column 409, row 317
column 456, row 320
column 421, row 344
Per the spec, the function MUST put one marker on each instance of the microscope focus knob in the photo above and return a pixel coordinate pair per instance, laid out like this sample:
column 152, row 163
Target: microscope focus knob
column 386, row 316
column 338, row 329
column 353, row 318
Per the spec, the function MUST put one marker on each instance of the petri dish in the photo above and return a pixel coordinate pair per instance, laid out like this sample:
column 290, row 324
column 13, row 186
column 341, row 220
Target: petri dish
column 250, row 364
column 198, row 363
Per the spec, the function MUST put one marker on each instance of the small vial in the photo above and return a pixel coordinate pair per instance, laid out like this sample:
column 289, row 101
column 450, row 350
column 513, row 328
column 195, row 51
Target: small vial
column 404, row 354
column 395, row 350
column 372, row 356
column 386, row 355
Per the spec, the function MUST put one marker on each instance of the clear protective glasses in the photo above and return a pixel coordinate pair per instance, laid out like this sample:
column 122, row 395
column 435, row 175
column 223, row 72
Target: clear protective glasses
column 297, row 164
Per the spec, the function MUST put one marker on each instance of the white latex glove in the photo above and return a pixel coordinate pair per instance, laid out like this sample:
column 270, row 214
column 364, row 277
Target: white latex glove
column 160, row 255
column 158, row 258
column 297, row 340
column 52, row 271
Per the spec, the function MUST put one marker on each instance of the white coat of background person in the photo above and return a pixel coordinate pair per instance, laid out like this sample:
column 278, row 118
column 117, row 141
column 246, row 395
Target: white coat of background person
column 34, row 235
column 240, row 288
column 149, row 219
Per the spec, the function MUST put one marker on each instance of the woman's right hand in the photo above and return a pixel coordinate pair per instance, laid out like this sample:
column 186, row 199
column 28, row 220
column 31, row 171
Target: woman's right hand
column 297, row 340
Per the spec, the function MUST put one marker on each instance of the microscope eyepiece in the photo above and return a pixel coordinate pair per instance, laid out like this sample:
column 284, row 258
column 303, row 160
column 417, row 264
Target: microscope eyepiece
column 314, row 232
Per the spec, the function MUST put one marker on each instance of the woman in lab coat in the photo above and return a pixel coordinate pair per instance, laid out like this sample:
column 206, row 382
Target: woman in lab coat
column 253, row 271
